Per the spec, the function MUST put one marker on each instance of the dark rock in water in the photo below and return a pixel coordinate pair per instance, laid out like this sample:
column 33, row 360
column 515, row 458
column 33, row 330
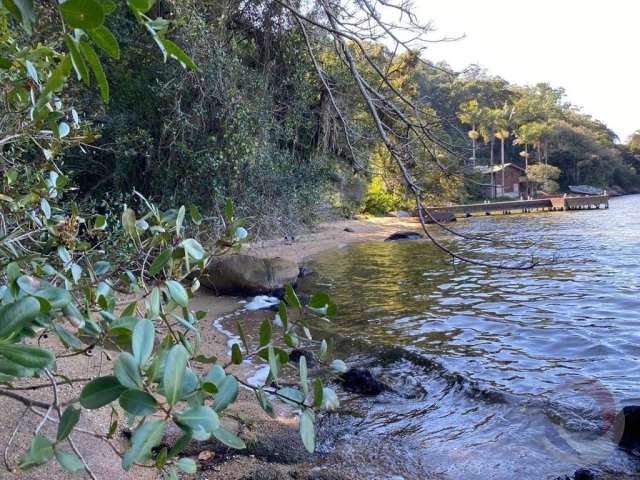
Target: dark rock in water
column 349, row 230
column 404, row 236
column 244, row 274
column 361, row 380
column 580, row 474
column 626, row 429
column 583, row 474
column 294, row 356
column 305, row 272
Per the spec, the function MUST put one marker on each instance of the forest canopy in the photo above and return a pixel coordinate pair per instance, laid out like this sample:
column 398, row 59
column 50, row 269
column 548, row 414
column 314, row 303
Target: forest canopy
column 257, row 123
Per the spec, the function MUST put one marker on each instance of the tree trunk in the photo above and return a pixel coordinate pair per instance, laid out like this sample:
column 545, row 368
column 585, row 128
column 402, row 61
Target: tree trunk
column 493, row 183
column 473, row 147
column 502, row 162
column 526, row 167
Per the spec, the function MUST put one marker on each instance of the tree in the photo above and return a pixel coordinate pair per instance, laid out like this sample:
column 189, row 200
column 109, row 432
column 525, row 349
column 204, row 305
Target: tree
column 471, row 114
column 65, row 266
column 502, row 133
column 488, row 126
column 545, row 176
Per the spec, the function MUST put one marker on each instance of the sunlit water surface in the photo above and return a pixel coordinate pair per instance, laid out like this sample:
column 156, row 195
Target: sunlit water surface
column 497, row 374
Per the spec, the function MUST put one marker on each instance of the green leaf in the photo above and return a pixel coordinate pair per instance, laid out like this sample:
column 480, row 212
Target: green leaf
column 154, row 303
column 147, row 436
column 236, row 354
column 265, row 332
column 68, row 421
column 22, row 10
column 177, row 293
column 138, row 403
column 160, row 261
column 46, row 208
column 194, row 213
column 187, row 465
column 93, row 60
column 79, row 64
column 69, row 461
column 295, row 396
column 69, row 340
column 264, row 402
column 106, row 41
column 102, row 267
column 127, row 371
column 142, row 6
column 273, row 364
column 142, row 340
column 41, row 451
column 174, row 51
column 227, row 393
column 28, row 356
column 84, row 14
column 284, row 317
column 56, row 81
column 12, row 370
column 304, row 382
column 317, row 393
column 174, row 372
column 108, row 6
column 179, row 219
column 56, row 297
column 291, row 297
column 193, row 249
column 307, row 431
column 16, row 315
column 198, row 418
column 243, row 337
column 229, row 439
column 100, row 391
column 216, row 375
column 321, row 304
column 324, row 350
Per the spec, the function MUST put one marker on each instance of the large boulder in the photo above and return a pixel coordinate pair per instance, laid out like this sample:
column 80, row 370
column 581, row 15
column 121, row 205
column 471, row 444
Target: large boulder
column 626, row 429
column 361, row 380
column 247, row 275
column 404, row 236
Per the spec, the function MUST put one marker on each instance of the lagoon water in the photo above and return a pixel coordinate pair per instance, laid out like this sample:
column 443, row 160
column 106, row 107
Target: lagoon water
column 498, row 374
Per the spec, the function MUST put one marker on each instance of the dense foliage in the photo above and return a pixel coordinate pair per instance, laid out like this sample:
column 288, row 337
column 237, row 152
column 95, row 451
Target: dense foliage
column 68, row 264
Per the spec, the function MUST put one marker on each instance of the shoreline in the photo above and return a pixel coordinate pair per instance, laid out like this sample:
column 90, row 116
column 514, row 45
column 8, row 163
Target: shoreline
column 329, row 235
column 273, row 442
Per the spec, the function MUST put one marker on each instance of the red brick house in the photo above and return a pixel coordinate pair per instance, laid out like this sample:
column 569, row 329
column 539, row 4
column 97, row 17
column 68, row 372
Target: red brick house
column 515, row 180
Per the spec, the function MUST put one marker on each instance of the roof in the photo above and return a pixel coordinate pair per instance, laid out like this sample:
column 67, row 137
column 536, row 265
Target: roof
column 486, row 169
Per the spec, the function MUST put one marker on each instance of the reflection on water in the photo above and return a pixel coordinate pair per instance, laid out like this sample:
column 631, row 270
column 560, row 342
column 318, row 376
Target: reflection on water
column 523, row 369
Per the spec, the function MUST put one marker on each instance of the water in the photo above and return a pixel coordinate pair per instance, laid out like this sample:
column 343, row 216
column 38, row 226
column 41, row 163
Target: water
column 497, row 373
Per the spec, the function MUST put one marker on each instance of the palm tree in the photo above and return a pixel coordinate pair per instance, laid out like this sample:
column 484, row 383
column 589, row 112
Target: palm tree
column 471, row 114
column 488, row 124
column 503, row 132
column 524, row 137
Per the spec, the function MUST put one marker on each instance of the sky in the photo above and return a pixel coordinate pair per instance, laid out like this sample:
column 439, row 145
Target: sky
column 589, row 47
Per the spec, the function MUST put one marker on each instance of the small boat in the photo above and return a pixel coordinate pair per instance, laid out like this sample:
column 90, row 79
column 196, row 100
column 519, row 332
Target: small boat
column 585, row 190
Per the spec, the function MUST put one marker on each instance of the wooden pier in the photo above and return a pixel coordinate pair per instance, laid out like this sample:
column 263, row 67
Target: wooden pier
column 551, row 204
